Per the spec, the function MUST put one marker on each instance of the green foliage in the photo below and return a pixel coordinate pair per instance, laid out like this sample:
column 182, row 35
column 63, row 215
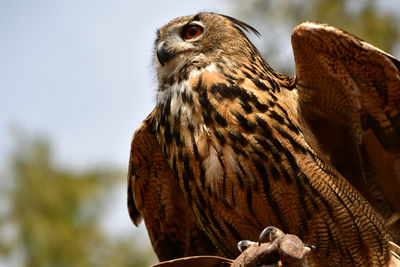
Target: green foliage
column 56, row 214
column 278, row 17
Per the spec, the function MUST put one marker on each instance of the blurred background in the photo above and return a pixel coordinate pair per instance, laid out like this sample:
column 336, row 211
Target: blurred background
column 76, row 80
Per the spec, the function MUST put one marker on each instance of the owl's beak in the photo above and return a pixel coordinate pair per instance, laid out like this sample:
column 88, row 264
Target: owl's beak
column 163, row 54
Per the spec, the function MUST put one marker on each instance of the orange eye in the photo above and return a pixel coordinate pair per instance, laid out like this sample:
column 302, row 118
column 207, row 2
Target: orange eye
column 192, row 31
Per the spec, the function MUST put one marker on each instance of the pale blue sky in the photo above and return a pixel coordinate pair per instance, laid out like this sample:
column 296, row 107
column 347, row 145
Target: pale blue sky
column 80, row 72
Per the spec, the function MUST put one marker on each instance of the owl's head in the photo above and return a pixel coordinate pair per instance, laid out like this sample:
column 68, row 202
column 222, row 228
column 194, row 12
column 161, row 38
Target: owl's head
column 198, row 40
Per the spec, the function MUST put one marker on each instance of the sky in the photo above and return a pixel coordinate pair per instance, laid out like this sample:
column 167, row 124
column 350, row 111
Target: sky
column 80, row 73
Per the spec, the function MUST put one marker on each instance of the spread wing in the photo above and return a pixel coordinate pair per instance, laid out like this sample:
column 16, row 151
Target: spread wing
column 153, row 194
column 349, row 96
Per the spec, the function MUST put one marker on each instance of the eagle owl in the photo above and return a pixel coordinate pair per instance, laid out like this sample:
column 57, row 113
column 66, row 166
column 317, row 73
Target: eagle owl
column 233, row 146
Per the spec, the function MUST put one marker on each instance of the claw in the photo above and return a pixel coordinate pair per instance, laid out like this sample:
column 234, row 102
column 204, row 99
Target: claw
column 244, row 244
column 309, row 248
column 273, row 233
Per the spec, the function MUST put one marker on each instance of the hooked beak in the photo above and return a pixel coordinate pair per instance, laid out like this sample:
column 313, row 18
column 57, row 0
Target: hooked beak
column 163, row 54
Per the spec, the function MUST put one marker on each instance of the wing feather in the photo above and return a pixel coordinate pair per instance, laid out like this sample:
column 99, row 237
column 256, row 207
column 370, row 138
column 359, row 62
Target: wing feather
column 153, row 194
column 349, row 96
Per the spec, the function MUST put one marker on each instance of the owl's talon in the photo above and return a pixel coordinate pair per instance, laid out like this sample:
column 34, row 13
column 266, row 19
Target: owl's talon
column 309, row 248
column 273, row 233
column 244, row 244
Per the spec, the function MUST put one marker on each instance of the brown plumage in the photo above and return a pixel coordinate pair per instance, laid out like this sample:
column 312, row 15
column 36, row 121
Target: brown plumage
column 153, row 190
column 233, row 146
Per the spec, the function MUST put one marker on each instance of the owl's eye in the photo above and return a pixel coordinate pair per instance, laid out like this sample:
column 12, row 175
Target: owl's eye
column 192, row 31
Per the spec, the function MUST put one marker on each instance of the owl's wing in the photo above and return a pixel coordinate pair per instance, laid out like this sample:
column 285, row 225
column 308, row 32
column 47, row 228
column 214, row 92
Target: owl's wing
column 349, row 96
column 153, row 194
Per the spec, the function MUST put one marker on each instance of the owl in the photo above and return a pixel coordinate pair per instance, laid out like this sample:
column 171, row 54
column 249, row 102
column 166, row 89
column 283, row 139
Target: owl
column 233, row 146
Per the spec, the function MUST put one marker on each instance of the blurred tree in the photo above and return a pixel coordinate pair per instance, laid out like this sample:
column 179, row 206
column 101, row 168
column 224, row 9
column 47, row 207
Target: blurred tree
column 55, row 214
column 277, row 18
